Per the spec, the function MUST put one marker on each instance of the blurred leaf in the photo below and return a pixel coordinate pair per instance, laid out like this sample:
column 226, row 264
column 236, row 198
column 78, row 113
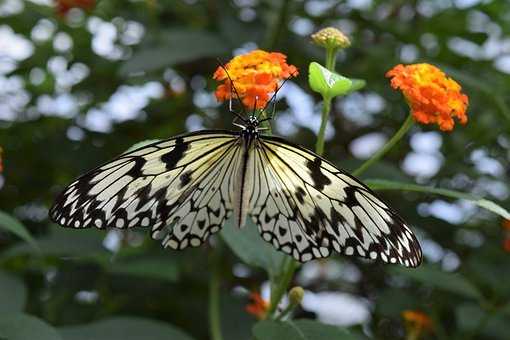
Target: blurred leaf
column 179, row 46
column 13, row 293
column 328, row 84
column 148, row 268
column 25, row 327
column 9, row 223
column 299, row 330
column 65, row 242
column 377, row 184
column 124, row 328
column 436, row 278
column 474, row 320
column 249, row 246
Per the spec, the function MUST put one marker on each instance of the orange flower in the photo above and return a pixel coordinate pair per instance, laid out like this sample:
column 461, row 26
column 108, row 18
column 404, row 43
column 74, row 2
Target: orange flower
column 506, row 235
column 417, row 323
column 64, row 6
column 258, row 306
column 255, row 75
column 433, row 97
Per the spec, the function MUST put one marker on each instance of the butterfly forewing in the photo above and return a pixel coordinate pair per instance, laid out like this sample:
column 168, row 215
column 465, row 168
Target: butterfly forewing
column 307, row 207
column 178, row 180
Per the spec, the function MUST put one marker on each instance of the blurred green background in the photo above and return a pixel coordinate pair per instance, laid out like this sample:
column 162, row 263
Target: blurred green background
column 80, row 86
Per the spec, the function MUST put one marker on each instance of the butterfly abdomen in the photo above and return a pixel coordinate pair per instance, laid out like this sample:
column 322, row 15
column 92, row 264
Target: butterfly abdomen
column 244, row 180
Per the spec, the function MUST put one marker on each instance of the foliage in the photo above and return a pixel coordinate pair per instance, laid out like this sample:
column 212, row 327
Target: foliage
column 96, row 81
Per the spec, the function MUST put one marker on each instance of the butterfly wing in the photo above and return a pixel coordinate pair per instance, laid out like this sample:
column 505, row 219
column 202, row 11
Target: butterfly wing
column 307, row 207
column 180, row 187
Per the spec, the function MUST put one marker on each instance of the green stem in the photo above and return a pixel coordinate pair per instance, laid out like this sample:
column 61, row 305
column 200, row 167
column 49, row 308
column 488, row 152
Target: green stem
column 387, row 147
column 326, row 107
column 331, row 58
column 279, row 289
column 214, row 295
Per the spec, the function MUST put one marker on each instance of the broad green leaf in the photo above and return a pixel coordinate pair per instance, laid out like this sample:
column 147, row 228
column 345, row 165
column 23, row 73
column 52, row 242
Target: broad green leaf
column 434, row 277
column 327, row 83
column 299, row 330
column 162, row 268
column 13, row 293
column 13, row 225
column 25, row 327
column 249, row 246
column 124, row 328
column 377, row 184
column 178, row 46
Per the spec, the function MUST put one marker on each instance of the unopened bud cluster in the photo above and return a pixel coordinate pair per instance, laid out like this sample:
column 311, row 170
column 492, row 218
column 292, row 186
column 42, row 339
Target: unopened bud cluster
column 331, row 38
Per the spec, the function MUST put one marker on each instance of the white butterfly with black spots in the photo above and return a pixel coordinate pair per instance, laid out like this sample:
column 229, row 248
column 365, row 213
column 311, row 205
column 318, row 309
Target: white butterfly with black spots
column 184, row 189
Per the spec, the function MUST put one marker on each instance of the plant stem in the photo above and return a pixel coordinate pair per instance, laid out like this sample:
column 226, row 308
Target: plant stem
column 326, row 104
column 279, row 289
column 387, row 147
column 326, row 107
column 214, row 295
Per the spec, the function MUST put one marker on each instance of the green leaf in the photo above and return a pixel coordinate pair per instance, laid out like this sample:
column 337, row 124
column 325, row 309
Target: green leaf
column 13, row 293
column 249, row 246
column 377, row 184
column 124, row 328
column 9, row 223
column 327, row 83
column 299, row 330
column 357, row 84
column 434, row 277
column 178, row 46
column 60, row 241
column 149, row 268
column 25, row 327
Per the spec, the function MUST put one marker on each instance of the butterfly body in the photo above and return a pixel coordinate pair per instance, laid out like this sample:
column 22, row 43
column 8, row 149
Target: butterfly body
column 184, row 188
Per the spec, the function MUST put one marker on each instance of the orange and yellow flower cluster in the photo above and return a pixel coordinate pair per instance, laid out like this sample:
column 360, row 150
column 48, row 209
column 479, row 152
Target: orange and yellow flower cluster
column 417, row 323
column 433, row 97
column 258, row 306
column 256, row 75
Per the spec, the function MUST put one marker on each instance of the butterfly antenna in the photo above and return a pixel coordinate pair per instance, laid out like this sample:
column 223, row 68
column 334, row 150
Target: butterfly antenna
column 233, row 87
column 273, row 98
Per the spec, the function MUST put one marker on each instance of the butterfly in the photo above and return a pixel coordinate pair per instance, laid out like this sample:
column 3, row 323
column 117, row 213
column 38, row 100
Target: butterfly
column 185, row 188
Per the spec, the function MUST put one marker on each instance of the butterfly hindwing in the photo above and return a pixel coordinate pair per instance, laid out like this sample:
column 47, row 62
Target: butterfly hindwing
column 307, row 207
column 172, row 183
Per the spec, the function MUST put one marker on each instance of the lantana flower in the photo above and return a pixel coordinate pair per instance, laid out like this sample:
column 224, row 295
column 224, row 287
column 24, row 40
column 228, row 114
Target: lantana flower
column 258, row 306
column 417, row 323
column 63, row 6
column 433, row 97
column 256, row 75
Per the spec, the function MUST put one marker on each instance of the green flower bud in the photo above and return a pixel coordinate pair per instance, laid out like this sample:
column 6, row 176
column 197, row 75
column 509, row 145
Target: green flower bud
column 331, row 38
column 296, row 295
